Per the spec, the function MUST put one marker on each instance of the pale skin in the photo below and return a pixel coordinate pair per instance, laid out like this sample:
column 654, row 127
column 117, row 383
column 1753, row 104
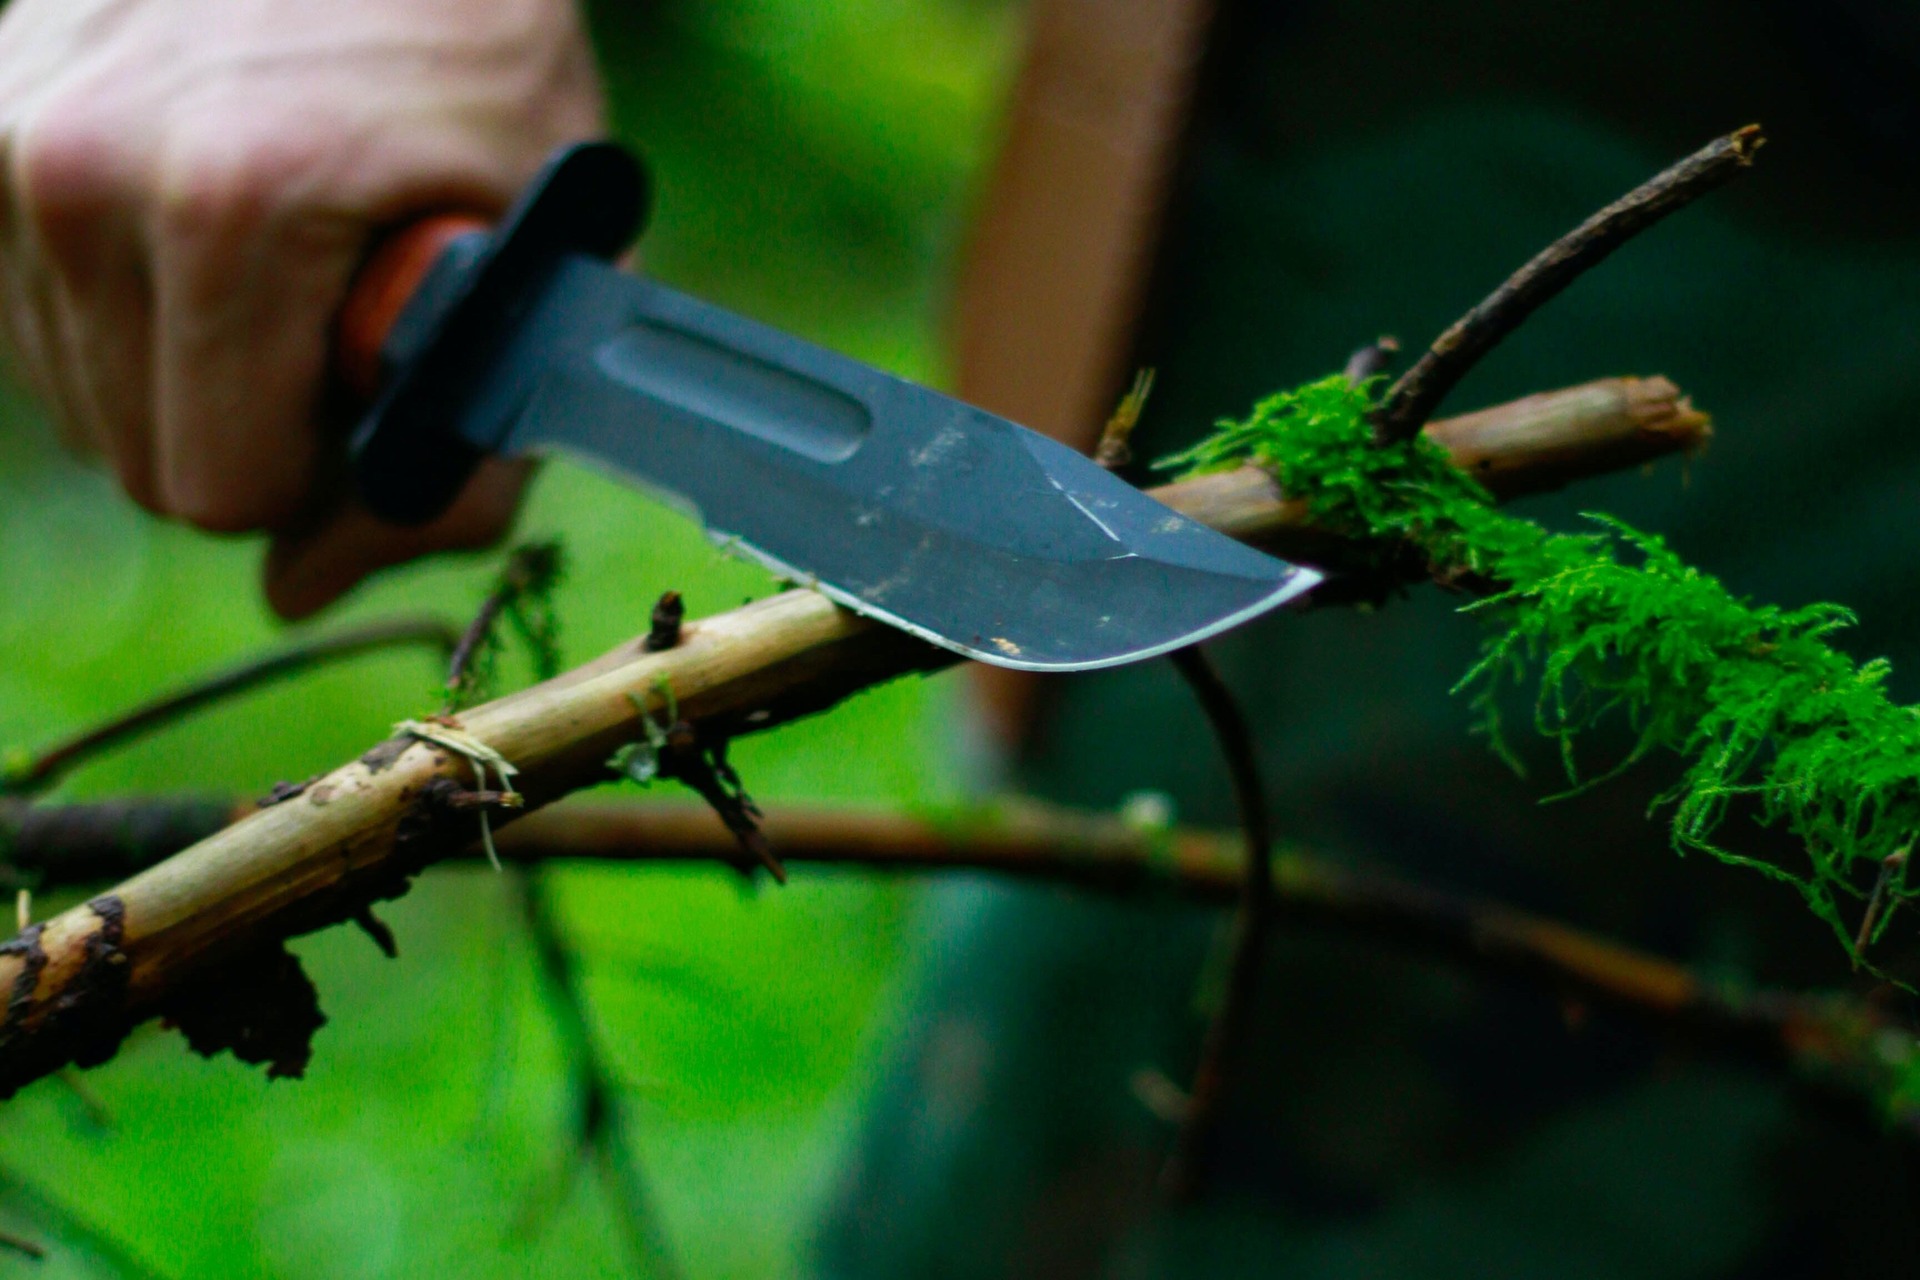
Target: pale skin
column 188, row 186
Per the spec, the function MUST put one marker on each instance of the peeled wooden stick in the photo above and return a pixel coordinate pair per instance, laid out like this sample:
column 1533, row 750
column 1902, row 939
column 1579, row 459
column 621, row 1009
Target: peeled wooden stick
column 196, row 938
column 1541, row 442
column 1546, row 441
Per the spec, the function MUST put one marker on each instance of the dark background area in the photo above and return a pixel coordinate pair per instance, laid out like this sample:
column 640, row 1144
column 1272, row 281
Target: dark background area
column 1358, row 168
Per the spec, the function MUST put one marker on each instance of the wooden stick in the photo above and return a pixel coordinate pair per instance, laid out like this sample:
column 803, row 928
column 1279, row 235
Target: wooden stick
column 185, row 939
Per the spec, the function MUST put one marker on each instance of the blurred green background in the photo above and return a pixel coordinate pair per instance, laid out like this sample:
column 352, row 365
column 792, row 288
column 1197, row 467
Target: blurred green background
column 814, row 165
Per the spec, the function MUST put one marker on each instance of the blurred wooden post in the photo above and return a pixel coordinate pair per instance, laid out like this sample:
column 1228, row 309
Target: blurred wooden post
column 1057, row 267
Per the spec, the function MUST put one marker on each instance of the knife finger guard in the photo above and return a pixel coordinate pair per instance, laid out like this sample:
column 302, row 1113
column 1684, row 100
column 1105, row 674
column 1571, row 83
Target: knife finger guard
column 435, row 307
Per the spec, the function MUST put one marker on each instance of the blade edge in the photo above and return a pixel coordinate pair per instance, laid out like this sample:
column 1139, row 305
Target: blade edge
column 1296, row 585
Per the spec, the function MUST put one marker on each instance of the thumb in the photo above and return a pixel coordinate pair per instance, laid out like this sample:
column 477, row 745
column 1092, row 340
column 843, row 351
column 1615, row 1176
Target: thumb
column 311, row 567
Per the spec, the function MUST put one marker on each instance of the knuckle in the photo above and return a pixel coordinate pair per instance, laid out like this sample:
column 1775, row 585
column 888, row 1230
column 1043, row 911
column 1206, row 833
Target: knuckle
column 70, row 165
column 221, row 178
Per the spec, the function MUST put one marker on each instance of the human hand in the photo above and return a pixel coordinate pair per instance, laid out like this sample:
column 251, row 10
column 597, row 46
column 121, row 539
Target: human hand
column 186, row 187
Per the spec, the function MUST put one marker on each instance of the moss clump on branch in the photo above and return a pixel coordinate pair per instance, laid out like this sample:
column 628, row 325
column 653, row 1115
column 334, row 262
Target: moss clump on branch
column 1761, row 708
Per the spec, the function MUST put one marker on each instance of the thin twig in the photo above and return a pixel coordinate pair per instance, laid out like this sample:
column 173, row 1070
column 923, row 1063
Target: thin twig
column 679, row 751
column 599, row 1127
column 91, row 1106
column 1373, row 359
column 1892, row 866
column 704, row 768
column 528, row 568
column 1115, row 449
column 471, row 798
column 23, row 1246
column 46, row 768
column 72, row 1236
column 103, row 840
column 1420, row 390
column 1252, row 921
column 1850, row 1049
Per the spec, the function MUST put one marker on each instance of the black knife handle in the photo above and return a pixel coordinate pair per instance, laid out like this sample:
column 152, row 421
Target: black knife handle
column 436, row 306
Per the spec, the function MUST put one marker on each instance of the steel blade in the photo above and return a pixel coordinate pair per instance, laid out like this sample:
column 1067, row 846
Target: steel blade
column 899, row 502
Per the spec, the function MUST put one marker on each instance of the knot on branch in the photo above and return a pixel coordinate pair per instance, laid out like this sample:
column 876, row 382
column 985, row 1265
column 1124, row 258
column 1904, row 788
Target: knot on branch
column 668, row 615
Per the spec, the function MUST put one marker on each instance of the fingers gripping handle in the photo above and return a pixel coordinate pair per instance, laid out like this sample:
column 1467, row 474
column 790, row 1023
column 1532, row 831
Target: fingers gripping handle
column 436, row 306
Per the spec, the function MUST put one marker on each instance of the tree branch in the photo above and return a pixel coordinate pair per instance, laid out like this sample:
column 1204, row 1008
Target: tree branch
column 64, row 845
column 197, row 938
column 1834, row 1039
column 1852, row 1050
column 23, row 1246
column 1412, row 399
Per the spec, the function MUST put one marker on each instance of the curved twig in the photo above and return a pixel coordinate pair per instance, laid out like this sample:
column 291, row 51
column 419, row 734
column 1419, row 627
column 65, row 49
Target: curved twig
column 529, row 569
column 1252, row 921
column 1413, row 398
column 47, row 767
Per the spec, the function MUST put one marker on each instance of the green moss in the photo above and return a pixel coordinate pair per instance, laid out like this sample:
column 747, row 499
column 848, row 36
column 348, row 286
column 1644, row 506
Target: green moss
column 1610, row 625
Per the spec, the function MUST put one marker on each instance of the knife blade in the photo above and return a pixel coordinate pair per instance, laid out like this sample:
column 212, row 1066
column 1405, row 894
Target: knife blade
column 896, row 501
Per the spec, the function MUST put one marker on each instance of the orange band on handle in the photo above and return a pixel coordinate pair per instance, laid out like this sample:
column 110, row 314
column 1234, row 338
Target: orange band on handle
column 380, row 292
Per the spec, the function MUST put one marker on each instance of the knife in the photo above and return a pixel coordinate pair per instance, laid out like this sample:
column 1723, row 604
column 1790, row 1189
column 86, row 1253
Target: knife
column 898, row 502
